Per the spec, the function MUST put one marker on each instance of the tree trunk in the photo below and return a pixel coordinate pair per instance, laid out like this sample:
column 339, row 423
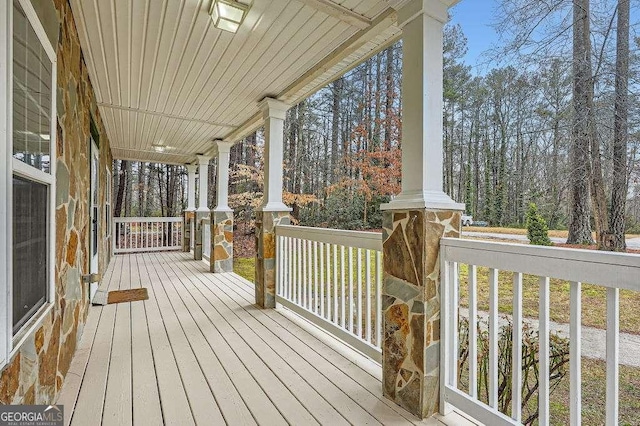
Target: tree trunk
column 122, row 183
column 579, row 228
column 335, row 128
column 620, row 130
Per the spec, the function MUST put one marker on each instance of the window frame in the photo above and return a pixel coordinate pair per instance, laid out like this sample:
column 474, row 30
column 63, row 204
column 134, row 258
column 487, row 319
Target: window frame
column 10, row 343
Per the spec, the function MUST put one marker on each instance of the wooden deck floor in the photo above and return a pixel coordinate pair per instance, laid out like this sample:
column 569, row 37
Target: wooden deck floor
column 199, row 352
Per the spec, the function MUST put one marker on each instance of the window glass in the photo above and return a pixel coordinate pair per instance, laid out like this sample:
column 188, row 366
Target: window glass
column 31, row 95
column 30, row 248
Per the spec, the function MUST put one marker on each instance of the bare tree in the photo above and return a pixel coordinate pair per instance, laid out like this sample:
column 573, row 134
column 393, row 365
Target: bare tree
column 579, row 228
column 620, row 129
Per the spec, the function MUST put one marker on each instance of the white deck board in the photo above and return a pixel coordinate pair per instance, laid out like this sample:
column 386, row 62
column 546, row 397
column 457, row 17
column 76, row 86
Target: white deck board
column 200, row 352
column 146, row 397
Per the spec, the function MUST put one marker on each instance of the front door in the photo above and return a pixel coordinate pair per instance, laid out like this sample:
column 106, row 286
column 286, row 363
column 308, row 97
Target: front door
column 95, row 214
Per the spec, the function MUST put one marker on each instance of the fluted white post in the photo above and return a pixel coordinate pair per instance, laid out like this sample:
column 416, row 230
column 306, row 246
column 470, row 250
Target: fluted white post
column 222, row 192
column 422, row 23
column 274, row 113
column 191, row 188
column 203, row 172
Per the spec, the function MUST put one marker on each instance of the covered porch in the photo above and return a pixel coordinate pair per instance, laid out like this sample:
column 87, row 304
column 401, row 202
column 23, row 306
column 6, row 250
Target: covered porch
column 200, row 351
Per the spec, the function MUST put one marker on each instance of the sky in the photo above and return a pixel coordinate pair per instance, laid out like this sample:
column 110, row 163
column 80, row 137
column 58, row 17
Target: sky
column 475, row 18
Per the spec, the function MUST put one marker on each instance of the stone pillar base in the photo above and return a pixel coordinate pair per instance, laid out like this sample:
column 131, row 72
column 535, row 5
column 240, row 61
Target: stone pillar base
column 266, row 223
column 411, row 306
column 221, row 259
column 187, row 217
column 197, row 247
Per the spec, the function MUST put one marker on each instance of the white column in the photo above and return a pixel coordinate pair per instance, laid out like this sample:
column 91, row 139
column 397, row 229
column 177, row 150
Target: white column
column 274, row 113
column 422, row 23
column 222, row 192
column 191, row 188
column 203, row 172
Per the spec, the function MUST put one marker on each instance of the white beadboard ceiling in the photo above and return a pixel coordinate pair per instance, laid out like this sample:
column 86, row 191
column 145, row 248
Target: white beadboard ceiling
column 163, row 73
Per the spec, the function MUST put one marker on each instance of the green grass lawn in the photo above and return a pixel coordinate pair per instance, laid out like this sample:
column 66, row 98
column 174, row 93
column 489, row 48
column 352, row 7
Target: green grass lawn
column 245, row 267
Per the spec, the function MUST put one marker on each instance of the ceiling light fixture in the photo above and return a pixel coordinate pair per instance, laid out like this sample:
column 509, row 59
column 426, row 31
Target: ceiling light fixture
column 228, row 15
column 159, row 147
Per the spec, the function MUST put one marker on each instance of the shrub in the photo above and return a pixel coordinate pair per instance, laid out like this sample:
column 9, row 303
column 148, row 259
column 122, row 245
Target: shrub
column 558, row 357
column 537, row 230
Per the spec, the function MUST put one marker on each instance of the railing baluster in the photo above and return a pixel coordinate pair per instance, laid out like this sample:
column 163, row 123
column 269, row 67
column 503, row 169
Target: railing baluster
column 299, row 256
column 315, row 278
column 289, row 250
column 329, row 302
column 613, row 343
column 342, row 289
column 367, row 297
column 473, row 331
column 378, row 300
column 322, row 282
column 351, row 289
column 310, row 295
column 335, row 284
column 516, row 355
column 280, row 275
column 454, row 310
column 493, row 338
column 543, row 339
column 359, row 293
column 575, row 354
column 291, row 282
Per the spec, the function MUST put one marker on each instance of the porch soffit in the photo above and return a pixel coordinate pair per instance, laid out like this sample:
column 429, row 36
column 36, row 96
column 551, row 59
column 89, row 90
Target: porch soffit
column 162, row 72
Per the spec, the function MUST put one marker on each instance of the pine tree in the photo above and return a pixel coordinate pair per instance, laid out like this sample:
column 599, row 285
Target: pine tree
column 537, row 230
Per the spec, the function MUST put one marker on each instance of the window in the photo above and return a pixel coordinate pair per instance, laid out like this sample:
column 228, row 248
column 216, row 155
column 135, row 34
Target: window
column 30, row 230
column 27, row 120
column 31, row 95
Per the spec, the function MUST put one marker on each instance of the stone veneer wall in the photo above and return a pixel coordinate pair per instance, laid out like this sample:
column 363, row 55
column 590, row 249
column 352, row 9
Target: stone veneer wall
column 265, row 274
column 411, row 305
column 221, row 259
column 37, row 370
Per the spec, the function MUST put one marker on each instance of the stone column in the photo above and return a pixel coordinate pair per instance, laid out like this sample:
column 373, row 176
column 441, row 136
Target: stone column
column 221, row 259
column 414, row 221
column 188, row 214
column 273, row 211
column 203, row 208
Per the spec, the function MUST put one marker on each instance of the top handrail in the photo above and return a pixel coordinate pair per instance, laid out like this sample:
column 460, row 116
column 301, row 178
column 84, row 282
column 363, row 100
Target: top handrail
column 358, row 239
column 607, row 269
column 147, row 219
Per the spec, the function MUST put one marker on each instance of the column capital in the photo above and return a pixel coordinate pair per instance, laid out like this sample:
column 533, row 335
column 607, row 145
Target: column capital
column 436, row 9
column 223, row 146
column 203, row 159
column 191, row 168
column 436, row 200
column 273, row 108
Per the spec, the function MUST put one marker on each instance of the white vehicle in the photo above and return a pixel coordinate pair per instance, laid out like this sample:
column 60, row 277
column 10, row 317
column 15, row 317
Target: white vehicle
column 467, row 220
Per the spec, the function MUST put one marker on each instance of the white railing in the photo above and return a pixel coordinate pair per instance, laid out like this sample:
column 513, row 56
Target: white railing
column 613, row 271
column 206, row 239
column 144, row 234
column 334, row 279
